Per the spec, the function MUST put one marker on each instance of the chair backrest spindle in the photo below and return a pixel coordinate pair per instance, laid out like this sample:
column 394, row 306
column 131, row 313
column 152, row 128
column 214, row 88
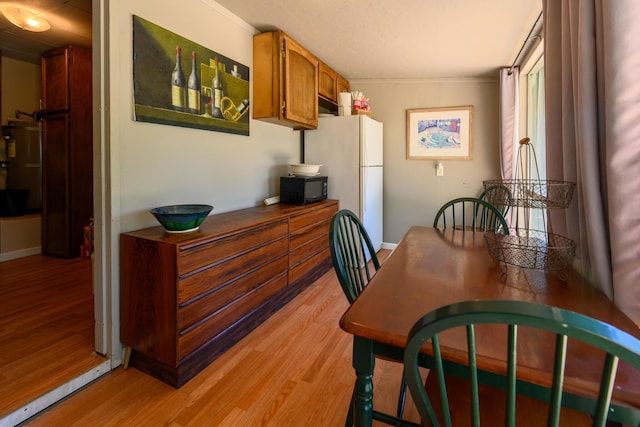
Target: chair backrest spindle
column 499, row 196
column 470, row 213
column 566, row 325
column 351, row 250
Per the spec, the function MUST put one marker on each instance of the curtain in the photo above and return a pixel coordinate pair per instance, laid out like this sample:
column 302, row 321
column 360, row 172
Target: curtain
column 592, row 57
column 509, row 102
column 508, row 120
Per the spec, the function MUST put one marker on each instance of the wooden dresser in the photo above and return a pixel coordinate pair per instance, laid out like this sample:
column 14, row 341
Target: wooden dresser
column 186, row 298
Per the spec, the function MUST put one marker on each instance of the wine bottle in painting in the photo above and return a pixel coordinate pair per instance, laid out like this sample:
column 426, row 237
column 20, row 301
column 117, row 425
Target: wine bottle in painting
column 193, row 88
column 218, row 91
column 243, row 105
column 177, row 84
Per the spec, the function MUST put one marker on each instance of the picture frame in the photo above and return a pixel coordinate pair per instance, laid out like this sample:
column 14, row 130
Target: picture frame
column 440, row 133
column 158, row 54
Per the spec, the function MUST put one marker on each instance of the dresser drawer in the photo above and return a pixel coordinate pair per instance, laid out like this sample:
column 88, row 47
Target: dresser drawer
column 202, row 332
column 309, row 265
column 196, row 257
column 195, row 285
column 226, row 293
column 319, row 215
column 302, row 236
column 308, row 249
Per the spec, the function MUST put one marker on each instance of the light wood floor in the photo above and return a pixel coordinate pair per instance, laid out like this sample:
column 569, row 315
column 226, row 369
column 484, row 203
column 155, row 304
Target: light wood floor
column 46, row 326
column 293, row 370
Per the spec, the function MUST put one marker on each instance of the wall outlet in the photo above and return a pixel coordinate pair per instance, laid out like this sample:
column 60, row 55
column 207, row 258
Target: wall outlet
column 440, row 169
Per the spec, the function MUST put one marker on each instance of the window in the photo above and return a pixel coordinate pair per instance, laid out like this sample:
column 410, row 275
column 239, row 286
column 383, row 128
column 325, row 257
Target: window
column 532, row 120
column 535, row 115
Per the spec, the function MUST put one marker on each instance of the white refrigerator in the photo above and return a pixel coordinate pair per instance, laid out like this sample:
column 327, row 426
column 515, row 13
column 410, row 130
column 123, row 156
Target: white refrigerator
column 349, row 148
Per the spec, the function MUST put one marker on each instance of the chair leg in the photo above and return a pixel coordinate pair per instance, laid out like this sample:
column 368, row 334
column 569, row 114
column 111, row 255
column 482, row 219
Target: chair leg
column 402, row 397
column 349, row 420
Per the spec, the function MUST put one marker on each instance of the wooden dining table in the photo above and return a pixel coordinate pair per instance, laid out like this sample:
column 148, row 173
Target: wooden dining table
column 431, row 268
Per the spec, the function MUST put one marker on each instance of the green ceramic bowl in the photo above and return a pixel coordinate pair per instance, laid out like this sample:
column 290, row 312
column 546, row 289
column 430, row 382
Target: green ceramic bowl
column 181, row 218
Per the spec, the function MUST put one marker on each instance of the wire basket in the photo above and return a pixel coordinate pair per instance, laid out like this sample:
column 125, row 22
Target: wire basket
column 531, row 193
column 531, row 249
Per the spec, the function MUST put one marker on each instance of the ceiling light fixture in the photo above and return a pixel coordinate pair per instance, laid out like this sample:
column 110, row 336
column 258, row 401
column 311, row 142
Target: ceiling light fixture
column 25, row 19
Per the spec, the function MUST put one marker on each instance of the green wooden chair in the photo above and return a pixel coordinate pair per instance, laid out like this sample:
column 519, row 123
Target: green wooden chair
column 351, row 248
column 471, row 213
column 499, row 196
column 571, row 329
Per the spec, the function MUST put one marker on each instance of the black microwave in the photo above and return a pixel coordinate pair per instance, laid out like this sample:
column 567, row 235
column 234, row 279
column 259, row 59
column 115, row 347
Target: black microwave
column 300, row 190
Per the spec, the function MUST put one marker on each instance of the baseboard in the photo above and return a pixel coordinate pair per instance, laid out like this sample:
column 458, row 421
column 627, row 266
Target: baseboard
column 389, row 246
column 20, row 253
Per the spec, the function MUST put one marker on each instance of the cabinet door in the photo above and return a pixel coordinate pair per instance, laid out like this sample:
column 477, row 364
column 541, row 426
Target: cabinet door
column 55, row 189
column 343, row 84
column 327, row 82
column 300, row 84
column 55, row 80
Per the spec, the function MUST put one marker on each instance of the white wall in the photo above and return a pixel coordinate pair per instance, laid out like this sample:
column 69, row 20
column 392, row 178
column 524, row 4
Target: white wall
column 162, row 165
column 412, row 191
column 144, row 165
column 152, row 165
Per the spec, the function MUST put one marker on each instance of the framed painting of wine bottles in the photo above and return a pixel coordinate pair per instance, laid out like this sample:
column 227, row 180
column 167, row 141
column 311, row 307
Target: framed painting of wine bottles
column 181, row 83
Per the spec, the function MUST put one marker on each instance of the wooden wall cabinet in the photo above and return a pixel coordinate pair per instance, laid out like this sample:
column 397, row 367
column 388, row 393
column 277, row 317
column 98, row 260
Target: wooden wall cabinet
column 343, row 84
column 67, row 147
column 285, row 81
column 186, row 298
column 330, row 83
column 327, row 83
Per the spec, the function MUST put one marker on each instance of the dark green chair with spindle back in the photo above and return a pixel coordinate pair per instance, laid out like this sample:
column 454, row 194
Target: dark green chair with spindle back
column 499, row 196
column 351, row 247
column 470, row 213
column 550, row 406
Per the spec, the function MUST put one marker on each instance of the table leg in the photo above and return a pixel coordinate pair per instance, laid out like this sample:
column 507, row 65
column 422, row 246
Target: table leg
column 363, row 363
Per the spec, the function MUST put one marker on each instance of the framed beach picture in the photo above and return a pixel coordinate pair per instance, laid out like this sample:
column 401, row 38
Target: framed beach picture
column 440, row 133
